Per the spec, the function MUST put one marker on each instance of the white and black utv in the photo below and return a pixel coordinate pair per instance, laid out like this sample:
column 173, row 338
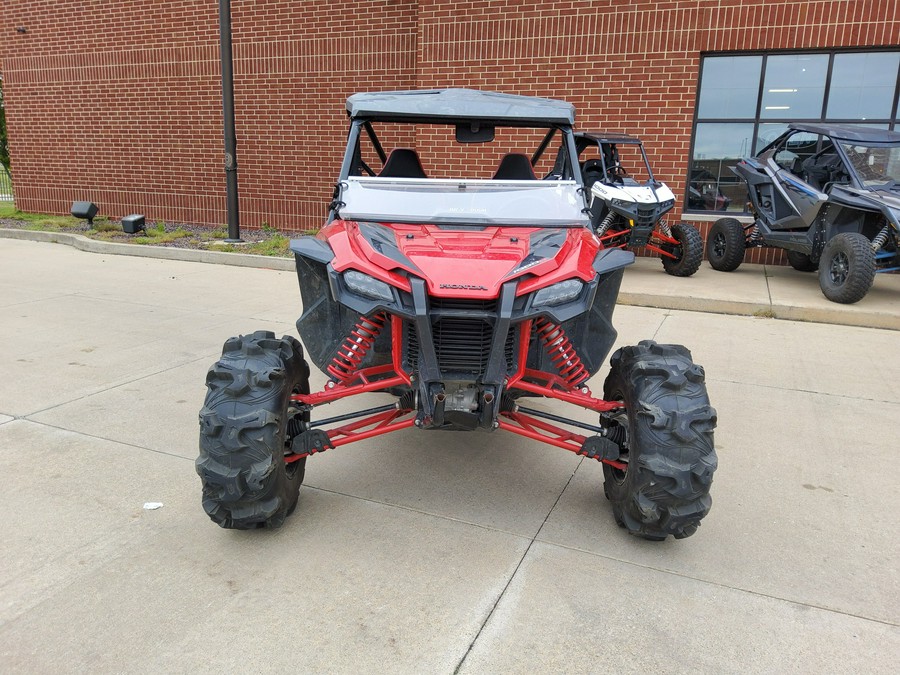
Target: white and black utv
column 628, row 204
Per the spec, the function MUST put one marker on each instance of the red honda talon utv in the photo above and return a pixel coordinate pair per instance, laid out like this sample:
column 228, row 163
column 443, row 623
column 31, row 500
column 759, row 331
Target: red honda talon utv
column 462, row 283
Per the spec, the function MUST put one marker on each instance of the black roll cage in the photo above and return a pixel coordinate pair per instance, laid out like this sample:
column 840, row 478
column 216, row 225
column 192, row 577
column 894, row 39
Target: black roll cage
column 352, row 156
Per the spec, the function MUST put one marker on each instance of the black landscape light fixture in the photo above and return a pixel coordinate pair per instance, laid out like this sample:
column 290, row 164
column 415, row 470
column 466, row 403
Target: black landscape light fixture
column 85, row 210
column 231, row 165
column 134, row 223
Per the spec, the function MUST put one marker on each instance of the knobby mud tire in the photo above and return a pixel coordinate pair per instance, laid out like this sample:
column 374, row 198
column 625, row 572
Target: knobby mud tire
column 801, row 262
column 725, row 244
column 847, row 268
column 670, row 451
column 691, row 249
column 244, row 433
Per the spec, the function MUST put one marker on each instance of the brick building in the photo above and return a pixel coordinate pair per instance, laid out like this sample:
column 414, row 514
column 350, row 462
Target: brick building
column 120, row 101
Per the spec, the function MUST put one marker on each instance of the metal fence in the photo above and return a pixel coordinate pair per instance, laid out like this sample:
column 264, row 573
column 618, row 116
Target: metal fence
column 6, row 186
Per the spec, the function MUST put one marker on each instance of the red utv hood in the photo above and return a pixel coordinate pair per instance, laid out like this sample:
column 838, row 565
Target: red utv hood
column 459, row 263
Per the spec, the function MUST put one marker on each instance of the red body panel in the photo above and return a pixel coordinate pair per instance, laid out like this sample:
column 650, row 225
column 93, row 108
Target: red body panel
column 462, row 264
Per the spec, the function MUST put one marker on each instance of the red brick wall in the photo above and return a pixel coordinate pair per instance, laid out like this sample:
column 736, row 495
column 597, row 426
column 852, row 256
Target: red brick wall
column 120, row 102
column 630, row 67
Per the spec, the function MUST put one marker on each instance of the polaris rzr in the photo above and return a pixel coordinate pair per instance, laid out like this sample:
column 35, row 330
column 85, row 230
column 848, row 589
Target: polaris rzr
column 627, row 203
column 827, row 194
column 452, row 281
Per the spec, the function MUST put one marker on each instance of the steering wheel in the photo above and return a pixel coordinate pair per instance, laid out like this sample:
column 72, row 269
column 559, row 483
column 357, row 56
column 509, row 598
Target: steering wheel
column 616, row 172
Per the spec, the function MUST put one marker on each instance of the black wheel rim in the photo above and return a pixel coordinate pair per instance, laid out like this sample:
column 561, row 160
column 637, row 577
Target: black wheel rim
column 719, row 245
column 840, row 268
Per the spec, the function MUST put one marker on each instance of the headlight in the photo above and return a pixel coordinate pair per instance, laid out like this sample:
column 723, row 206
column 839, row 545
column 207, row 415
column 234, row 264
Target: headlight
column 666, row 205
column 557, row 294
column 363, row 284
column 626, row 203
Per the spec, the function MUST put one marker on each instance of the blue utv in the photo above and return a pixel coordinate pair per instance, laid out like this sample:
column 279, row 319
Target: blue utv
column 829, row 195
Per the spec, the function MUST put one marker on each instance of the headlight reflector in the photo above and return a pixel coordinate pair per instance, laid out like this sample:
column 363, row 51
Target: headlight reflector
column 363, row 284
column 557, row 294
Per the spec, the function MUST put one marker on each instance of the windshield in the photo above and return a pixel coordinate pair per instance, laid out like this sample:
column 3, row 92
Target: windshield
column 874, row 165
column 472, row 173
column 555, row 203
column 624, row 163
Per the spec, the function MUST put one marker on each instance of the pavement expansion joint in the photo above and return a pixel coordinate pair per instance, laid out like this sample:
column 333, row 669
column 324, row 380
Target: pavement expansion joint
column 798, row 390
column 411, row 509
column 516, row 570
column 766, row 276
column 105, row 438
column 718, row 584
column 117, row 385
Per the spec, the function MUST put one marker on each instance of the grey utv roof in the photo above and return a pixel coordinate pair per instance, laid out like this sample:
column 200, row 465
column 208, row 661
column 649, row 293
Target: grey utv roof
column 847, row 132
column 448, row 105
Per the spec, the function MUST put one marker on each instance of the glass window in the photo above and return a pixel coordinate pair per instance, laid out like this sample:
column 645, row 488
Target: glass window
column 745, row 102
column 794, row 86
column 730, row 86
column 862, row 86
column 712, row 185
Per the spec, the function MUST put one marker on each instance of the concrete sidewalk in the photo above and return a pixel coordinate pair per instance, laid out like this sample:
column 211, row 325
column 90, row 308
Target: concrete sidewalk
column 752, row 290
column 760, row 290
column 416, row 553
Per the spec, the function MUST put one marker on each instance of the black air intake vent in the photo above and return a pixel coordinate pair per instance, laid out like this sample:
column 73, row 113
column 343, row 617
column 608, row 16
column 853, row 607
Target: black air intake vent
column 462, row 345
column 463, row 332
column 646, row 215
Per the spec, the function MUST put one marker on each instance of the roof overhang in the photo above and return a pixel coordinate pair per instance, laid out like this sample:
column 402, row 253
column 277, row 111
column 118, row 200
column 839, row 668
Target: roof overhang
column 848, row 132
column 453, row 105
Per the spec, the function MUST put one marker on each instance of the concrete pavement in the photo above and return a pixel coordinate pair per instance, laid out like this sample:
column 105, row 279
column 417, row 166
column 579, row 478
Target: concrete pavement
column 418, row 554
column 752, row 290
column 760, row 290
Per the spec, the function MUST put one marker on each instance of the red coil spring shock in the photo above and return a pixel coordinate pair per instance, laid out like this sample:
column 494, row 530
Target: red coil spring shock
column 561, row 352
column 351, row 353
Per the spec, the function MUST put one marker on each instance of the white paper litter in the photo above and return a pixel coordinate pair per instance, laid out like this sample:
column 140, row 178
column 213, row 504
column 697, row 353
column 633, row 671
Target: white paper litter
column 152, row 506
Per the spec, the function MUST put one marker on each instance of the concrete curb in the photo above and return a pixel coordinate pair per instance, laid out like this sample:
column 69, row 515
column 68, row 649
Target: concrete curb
column 836, row 316
column 690, row 304
column 839, row 314
column 83, row 243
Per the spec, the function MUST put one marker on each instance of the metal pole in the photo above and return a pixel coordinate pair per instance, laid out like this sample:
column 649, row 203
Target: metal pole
column 231, row 181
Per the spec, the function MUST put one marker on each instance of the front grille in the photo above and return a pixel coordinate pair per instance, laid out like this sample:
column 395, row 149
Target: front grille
column 463, row 331
column 462, row 345
column 646, row 216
